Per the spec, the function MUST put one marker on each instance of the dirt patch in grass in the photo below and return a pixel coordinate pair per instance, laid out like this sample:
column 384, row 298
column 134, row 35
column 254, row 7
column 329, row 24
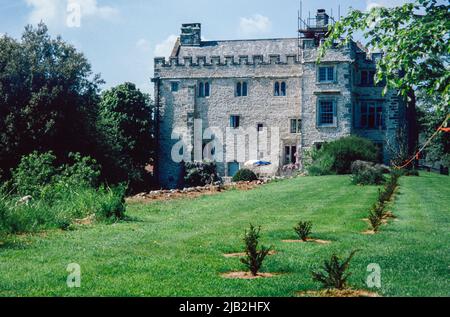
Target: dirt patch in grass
column 242, row 254
column 369, row 232
column 338, row 293
column 318, row 241
column 247, row 275
column 389, row 215
column 85, row 221
column 384, row 221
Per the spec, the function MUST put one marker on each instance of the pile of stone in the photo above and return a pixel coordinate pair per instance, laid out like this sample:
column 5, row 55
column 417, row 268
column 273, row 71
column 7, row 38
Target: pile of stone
column 196, row 191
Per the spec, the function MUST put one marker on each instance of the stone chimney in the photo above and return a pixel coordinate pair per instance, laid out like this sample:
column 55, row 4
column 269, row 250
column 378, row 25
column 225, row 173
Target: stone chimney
column 191, row 34
column 322, row 18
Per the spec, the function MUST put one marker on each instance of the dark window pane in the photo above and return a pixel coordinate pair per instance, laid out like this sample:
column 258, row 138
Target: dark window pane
column 293, row 126
column 371, row 119
column 201, row 90
column 330, row 73
column 322, row 74
column 244, row 89
column 206, row 89
column 234, row 122
column 277, row 89
column 294, row 154
column 363, row 77
column 239, row 89
column 363, row 115
column 380, row 122
column 283, row 89
column 326, row 112
column 371, row 79
column 174, row 87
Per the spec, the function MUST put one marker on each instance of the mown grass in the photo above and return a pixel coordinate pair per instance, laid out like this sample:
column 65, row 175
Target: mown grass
column 176, row 248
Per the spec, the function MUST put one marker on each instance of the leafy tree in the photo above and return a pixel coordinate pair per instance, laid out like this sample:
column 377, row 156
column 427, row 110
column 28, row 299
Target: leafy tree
column 414, row 39
column 430, row 119
column 126, row 133
column 48, row 98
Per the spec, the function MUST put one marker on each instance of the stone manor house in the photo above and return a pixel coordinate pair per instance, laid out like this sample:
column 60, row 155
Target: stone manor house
column 261, row 84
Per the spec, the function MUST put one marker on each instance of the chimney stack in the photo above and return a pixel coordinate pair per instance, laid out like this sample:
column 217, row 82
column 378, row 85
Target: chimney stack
column 191, row 34
column 322, row 18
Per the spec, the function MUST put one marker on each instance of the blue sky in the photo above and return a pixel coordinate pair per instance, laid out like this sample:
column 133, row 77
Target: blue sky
column 121, row 37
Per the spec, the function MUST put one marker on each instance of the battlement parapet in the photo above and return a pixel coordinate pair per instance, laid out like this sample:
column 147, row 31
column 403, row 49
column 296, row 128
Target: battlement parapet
column 228, row 60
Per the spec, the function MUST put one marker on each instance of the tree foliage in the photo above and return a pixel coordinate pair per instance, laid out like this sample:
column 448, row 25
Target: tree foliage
column 50, row 101
column 430, row 119
column 48, row 97
column 414, row 39
column 125, row 127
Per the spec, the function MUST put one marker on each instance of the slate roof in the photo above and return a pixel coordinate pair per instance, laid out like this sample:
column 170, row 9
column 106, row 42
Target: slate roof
column 265, row 47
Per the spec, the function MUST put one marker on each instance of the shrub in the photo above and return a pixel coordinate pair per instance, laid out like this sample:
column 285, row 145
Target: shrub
column 341, row 154
column 412, row 172
column 112, row 203
column 303, row 229
column 83, row 171
column 391, row 185
column 200, row 173
column 245, row 175
column 322, row 164
column 333, row 274
column 37, row 174
column 366, row 173
column 383, row 196
column 33, row 173
column 254, row 257
column 375, row 220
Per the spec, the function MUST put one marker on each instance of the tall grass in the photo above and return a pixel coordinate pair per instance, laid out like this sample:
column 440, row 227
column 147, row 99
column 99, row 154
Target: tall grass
column 59, row 208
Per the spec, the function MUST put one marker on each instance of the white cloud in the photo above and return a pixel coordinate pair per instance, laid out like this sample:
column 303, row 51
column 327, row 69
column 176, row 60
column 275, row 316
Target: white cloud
column 143, row 45
column 164, row 49
column 55, row 11
column 44, row 10
column 91, row 8
column 255, row 24
column 370, row 4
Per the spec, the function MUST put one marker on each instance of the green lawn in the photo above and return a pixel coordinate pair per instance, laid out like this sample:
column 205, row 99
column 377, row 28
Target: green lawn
column 176, row 248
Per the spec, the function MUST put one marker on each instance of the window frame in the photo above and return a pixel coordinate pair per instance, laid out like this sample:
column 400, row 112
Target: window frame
column 174, row 84
column 203, row 89
column 334, row 104
column 369, row 78
column 363, row 115
column 298, row 125
column 241, row 89
column 280, row 88
column 235, row 124
column 290, row 154
column 327, row 74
